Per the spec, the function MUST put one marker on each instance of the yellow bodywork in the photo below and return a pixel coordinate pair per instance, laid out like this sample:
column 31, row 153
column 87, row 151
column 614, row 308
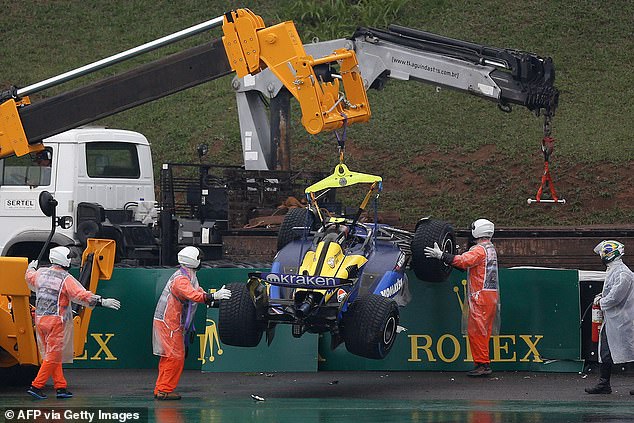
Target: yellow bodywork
column 334, row 265
column 17, row 335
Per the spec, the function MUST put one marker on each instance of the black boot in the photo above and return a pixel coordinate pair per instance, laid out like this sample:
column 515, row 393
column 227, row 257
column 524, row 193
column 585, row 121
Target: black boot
column 480, row 369
column 36, row 393
column 64, row 393
column 603, row 387
column 600, row 388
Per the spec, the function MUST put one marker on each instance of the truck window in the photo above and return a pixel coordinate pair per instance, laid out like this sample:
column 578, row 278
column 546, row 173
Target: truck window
column 112, row 160
column 32, row 169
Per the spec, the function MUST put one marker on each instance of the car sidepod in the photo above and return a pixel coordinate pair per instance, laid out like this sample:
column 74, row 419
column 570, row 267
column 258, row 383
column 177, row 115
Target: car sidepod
column 384, row 274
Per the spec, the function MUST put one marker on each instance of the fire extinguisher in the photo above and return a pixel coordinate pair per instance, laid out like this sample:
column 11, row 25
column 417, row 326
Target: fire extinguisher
column 597, row 321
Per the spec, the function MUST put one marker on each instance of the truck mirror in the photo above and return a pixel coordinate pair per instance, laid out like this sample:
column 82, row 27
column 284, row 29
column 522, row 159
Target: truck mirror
column 47, row 203
column 65, row 222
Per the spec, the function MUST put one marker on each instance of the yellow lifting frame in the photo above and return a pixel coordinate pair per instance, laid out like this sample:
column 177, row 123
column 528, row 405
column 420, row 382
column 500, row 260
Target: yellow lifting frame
column 343, row 177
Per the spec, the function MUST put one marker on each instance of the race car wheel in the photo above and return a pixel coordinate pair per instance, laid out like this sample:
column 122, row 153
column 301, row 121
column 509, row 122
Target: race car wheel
column 237, row 323
column 296, row 217
column 428, row 232
column 370, row 326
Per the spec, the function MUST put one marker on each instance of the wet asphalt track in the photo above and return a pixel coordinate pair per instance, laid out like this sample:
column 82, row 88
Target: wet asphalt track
column 348, row 397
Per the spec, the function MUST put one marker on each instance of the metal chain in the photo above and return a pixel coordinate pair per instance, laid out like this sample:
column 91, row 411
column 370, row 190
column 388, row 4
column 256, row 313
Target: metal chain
column 548, row 117
column 341, row 140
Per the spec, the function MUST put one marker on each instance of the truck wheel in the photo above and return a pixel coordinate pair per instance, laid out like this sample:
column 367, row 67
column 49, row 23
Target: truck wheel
column 295, row 218
column 370, row 326
column 428, row 232
column 237, row 323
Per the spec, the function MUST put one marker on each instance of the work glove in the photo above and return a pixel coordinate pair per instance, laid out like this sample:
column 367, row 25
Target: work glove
column 110, row 303
column 222, row 294
column 433, row 252
column 32, row 265
column 597, row 298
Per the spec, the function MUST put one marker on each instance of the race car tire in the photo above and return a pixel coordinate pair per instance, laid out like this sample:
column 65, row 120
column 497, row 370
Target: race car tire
column 370, row 326
column 237, row 323
column 296, row 217
column 427, row 232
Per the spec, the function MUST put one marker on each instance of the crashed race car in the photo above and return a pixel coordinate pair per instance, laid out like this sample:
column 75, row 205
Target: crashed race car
column 336, row 274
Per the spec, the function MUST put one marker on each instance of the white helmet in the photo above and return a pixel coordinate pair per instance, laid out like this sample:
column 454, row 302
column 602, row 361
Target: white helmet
column 60, row 256
column 482, row 228
column 609, row 250
column 190, row 257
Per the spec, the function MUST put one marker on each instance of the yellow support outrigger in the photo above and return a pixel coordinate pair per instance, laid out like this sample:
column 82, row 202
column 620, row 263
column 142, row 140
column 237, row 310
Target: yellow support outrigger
column 18, row 346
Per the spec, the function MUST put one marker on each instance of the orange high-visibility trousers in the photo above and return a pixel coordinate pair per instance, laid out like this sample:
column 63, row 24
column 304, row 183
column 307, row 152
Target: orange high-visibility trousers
column 170, row 367
column 48, row 369
column 169, row 373
column 481, row 316
column 50, row 332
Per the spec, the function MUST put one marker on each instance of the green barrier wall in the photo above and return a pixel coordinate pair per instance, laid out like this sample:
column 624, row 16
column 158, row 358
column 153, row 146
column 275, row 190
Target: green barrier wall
column 285, row 354
column 539, row 332
column 539, row 327
column 123, row 338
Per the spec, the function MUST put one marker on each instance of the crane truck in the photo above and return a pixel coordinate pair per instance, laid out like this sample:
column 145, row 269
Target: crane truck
column 246, row 48
column 102, row 178
column 109, row 190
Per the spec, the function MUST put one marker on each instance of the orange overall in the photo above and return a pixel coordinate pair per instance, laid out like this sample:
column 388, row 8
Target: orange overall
column 178, row 299
column 482, row 299
column 55, row 289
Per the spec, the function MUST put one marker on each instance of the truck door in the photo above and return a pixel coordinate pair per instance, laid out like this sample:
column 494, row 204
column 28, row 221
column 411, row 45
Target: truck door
column 115, row 174
column 21, row 181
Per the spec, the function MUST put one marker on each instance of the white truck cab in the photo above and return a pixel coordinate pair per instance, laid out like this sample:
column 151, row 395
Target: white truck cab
column 109, row 167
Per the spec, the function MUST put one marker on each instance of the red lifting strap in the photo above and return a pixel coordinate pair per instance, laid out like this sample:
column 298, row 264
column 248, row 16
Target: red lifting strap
column 548, row 144
column 546, row 178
